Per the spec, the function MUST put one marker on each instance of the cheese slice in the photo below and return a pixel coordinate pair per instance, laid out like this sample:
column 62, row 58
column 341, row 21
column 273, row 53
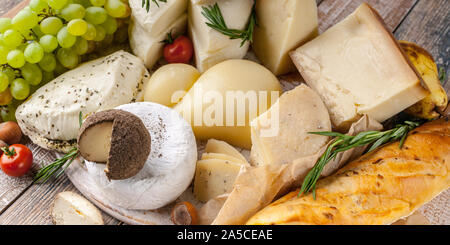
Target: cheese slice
column 357, row 67
column 69, row 208
column 225, row 157
column 218, row 146
column 50, row 116
column 300, row 111
column 283, row 26
column 149, row 46
column 210, row 46
column 214, row 177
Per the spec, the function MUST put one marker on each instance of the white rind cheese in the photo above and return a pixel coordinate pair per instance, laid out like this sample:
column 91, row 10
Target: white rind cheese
column 210, row 46
column 169, row 169
column 283, row 26
column 70, row 208
column 50, row 117
column 358, row 68
column 300, row 111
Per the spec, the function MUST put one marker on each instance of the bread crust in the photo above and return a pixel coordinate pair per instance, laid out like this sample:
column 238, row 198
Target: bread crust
column 378, row 188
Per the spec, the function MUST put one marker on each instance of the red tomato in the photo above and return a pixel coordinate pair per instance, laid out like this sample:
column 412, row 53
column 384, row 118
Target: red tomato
column 16, row 160
column 179, row 51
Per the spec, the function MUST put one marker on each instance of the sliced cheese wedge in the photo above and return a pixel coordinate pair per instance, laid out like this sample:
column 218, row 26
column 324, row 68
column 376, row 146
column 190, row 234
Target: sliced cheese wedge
column 221, row 156
column 69, row 208
column 283, row 26
column 300, row 111
column 357, row 67
column 214, row 177
column 210, row 46
column 149, row 46
column 219, row 146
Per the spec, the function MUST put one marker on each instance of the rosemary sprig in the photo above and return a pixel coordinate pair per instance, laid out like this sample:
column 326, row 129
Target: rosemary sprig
column 146, row 3
column 344, row 142
column 57, row 167
column 217, row 22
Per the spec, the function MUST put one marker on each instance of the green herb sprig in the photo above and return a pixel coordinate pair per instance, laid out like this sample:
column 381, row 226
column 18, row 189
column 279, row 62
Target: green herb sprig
column 217, row 22
column 344, row 142
column 146, row 3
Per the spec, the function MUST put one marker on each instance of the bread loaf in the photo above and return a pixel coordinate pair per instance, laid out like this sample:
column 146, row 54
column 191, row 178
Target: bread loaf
column 378, row 188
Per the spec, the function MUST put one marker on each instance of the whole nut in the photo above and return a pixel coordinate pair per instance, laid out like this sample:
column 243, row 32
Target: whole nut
column 10, row 132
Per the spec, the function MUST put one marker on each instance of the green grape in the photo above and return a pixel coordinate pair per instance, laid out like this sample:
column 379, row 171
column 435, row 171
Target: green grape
column 59, row 69
column 5, row 24
column 91, row 32
column 73, row 11
column 8, row 113
column 57, row 4
column 33, row 53
column 3, row 53
column 20, row 89
column 48, row 62
column 31, row 73
column 77, row 27
column 37, row 31
column 81, row 46
column 67, row 57
column 101, row 33
column 12, row 38
column 96, row 15
column 9, row 72
column 65, row 39
column 110, row 25
column 47, row 77
column 98, row 3
column 4, row 81
column 49, row 43
column 51, row 25
column 84, row 3
column 24, row 20
column 38, row 6
column 116, row 8
column 15, row 58
column 27, row 34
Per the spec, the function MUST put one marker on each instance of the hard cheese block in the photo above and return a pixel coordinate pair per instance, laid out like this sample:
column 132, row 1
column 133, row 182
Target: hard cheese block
column 210, row 46
column 299, row 112
column 358, row 68
column 218, row 146
column 148, row 29
column 283, row 26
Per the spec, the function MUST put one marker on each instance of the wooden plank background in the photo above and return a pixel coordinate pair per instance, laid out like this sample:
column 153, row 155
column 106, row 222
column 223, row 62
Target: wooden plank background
column 425, row 22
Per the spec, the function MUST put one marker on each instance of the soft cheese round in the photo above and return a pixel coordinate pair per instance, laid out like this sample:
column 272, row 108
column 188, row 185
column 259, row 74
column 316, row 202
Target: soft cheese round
column 169, row 169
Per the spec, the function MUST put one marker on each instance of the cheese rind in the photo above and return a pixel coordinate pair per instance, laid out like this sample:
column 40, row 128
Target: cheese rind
column 358, row 68
column 210, row 46
column 283, row 25
column 300, row 111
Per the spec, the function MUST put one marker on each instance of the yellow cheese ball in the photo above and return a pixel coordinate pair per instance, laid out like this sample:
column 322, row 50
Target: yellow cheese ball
column 226, row 98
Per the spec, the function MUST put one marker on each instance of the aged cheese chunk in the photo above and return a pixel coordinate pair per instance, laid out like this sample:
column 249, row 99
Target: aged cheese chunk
column 218, row 146
column 225, row 157
column 358, row 68
column 283, row 26
column 210, row 46
column 214, row 177
column 300, row 111
column 149, row 46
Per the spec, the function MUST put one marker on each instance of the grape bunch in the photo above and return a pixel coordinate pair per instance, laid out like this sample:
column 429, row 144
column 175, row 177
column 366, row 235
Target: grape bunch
column 47, row 38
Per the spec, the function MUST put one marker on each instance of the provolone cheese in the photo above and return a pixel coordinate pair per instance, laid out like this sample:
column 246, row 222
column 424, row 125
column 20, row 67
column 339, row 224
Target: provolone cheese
column 210, row 46
column 214, row 177
column 358, row 68
column 283, row 26
column 218, row 146
column 299, row 112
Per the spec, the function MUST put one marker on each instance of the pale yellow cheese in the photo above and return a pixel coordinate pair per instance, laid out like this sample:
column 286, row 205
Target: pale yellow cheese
column 218, row 146
column 283, row 26
column 214, row 177
column 222, row 156
column 358, row 68
column 299, row 112
column 97, row 142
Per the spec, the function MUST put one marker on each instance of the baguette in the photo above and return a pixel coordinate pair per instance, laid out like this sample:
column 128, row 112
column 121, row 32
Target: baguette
column 378, row 188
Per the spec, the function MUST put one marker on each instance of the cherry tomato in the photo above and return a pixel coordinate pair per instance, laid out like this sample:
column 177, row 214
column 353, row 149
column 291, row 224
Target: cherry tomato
column 178, row 51
column 16, row 160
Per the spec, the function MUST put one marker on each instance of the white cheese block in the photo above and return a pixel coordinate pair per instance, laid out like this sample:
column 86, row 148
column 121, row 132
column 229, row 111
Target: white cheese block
column 210, row 46
column 70, row 208
column 214, row 177
column 283, row 26
column 218, row 146
column 357, row 67
column 149, row 46
column 300, row 111
column 50, row 116
column 158, row 19
column 170, row 166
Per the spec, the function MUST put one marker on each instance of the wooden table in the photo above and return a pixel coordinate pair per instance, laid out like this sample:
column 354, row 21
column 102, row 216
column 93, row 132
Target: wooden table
column 426, row 22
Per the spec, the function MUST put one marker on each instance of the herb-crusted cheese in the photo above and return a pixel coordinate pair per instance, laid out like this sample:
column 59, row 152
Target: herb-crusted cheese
column 50, row 116
column 358, row 68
